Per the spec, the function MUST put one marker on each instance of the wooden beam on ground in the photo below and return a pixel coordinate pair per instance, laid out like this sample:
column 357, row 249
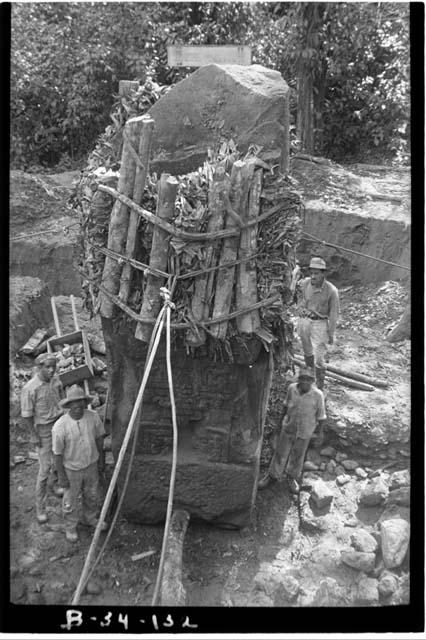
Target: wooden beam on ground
column 348, row 382
column 151, row 303
column 375, row 382
column 173, row 593
column 119, row 220
column 144, row 152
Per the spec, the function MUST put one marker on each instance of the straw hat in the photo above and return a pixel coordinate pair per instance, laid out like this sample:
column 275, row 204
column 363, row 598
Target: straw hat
column 75, row 392
column 317, row 263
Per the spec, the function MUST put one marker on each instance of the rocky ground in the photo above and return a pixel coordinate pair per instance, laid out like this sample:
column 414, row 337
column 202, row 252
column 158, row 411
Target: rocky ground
column 342, row 542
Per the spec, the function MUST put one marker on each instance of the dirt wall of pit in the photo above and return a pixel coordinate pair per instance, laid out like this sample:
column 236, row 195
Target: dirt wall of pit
column 388, row 240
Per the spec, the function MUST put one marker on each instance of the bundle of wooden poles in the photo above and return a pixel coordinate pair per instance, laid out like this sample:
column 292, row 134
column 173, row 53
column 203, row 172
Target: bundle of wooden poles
column 222, row 238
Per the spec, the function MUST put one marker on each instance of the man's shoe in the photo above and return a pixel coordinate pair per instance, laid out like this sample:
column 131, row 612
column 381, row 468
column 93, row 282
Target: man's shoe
column 265, row 481
column 71, row 536
column 293, row 485
column 42, row 517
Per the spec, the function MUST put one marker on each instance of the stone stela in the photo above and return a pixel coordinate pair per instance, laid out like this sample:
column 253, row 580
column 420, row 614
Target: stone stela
column 199, row 56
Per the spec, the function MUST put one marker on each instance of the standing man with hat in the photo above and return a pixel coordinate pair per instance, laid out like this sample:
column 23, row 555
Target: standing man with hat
column 77, row 448
column 304, row 411
column 318, row 313
column 40, row 408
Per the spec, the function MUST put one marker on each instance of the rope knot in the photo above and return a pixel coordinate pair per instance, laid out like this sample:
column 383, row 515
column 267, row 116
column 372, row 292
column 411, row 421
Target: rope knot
column 166, row 295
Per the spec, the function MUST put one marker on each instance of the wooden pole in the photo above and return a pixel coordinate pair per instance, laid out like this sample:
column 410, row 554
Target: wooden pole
column 119, row 221
column 225, row 276
column 117, row 468
column 349, row 382
column 203, row 287
column 139, row 186
column 55, row 317
column 375, row 382
column 173, row 593
column 74, row 313
column 151, row 303
column 247, row 273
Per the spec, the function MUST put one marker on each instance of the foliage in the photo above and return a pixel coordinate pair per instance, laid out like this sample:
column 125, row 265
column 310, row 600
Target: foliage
column 67, row 59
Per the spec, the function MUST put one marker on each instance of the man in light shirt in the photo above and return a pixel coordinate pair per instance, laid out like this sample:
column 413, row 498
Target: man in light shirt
column 77, row 442
column 318, row 312
column 304, row 411
column 40, row 408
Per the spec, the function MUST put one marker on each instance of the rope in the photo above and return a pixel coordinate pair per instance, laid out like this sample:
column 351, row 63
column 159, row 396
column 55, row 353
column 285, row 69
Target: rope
column 141, row 266
column 39, row 233
column 182, row 325
column 119, row 463
column 129, row 467
column 186, row 235
column 174, row 460
column 358, row 253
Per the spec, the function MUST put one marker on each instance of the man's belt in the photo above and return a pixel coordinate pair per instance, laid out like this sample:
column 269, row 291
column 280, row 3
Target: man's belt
column 311, row 315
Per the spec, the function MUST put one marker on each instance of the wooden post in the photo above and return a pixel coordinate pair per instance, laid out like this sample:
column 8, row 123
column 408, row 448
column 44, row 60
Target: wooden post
column 55, row 317
column 200, row 304
column 126, row 86
column 119, row 221
column 151, row 303
column 247, row 272
column 225, row 276
column 140, row 178
column 172, row 590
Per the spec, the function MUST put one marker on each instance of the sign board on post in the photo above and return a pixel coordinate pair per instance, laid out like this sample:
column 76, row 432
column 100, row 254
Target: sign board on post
column 199, row 56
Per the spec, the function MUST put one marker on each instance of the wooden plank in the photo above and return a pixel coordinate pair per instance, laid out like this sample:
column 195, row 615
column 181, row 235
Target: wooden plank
column 74, row 313
column 201, row 55
column 151, row 302
column 140, row 178
column 225, row 277
column 173, row 593
column 246, row 293
column 119, row 220
column 203, row 287
column 55, row 317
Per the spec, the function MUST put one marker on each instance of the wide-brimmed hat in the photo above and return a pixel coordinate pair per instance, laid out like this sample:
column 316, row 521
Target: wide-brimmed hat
column 317, row 263
column 306, row 372
column 45, row 357
column 75, row 392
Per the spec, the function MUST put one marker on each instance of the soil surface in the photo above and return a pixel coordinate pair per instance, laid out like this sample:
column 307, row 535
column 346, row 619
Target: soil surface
column 291, row 554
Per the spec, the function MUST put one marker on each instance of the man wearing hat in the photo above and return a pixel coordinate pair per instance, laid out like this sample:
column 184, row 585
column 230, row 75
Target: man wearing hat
column 77, row 447
column 318, row 313
column 40, row 408
column 304, row 411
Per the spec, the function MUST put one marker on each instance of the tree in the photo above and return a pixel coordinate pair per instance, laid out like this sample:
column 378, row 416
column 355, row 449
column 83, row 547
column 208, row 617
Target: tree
column 347, row 65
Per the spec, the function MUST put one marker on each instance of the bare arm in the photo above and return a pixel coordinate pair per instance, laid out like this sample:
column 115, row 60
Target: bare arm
column 62, row 476
column 333, row 314
column 100, row 447
column 28, row 423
